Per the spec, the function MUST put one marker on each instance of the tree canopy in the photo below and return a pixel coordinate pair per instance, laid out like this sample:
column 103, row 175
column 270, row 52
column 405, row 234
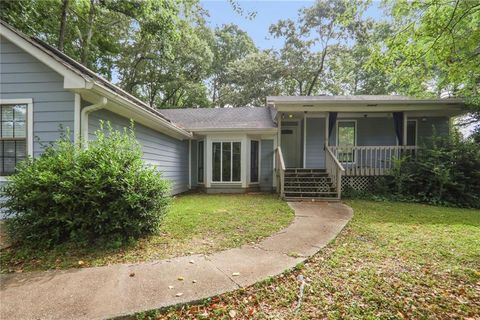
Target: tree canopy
column 165, row 52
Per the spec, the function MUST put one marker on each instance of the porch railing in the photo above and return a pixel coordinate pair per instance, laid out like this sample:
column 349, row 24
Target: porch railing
column 334, row 169
column 280, row 168
column 370, row 160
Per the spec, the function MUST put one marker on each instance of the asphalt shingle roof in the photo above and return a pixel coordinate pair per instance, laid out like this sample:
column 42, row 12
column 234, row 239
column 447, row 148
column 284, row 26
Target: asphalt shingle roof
column 222, row 118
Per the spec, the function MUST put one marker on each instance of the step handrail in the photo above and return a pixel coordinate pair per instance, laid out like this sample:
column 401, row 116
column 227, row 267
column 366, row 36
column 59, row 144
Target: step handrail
column 334, row 169
column 280, row 168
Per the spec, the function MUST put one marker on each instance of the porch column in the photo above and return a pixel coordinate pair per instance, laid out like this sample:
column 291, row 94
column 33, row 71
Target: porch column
column 279, row 132
column 327, row 130
column 405, row 122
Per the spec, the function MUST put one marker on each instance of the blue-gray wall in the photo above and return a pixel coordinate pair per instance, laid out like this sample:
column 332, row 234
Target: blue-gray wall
column 23, row 77
column 427, row 126
column 169, row 155
column 380, row 131
column 266, row 165
column 314, row 145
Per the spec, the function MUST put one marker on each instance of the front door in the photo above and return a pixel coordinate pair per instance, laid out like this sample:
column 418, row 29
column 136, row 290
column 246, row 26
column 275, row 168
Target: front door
column 291, row 146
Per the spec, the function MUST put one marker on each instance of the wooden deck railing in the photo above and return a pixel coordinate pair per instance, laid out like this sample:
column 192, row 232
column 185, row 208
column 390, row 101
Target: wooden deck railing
column 334, row 169
column 370, row 160
column 280, row 168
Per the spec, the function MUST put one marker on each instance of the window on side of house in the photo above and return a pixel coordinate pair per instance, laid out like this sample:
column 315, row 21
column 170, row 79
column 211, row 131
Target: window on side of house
column 226, row 161
column 13, row 136
column 411, row 132
column 346, row 139
column 200, row 155
column 254, row 160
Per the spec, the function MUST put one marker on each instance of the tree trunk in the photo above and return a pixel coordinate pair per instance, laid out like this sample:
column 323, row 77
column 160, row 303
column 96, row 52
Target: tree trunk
column 318, row 73
column 63, row 26
column 86, row 43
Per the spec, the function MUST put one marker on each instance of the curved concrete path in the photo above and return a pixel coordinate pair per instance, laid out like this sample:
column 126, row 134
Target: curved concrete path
column 110, row 291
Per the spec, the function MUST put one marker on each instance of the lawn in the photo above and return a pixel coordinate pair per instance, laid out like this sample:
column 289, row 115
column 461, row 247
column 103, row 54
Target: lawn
column 195, row 223
column 393, row 261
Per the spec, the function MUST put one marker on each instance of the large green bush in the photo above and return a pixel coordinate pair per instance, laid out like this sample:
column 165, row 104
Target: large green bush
column 102, row 193
column 445, row 171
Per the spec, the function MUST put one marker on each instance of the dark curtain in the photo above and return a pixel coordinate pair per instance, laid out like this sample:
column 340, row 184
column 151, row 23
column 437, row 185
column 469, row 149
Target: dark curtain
column 398, row 124
column 332, row 119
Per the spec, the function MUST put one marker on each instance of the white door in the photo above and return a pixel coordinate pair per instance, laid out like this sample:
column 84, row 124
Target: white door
column 291, row 146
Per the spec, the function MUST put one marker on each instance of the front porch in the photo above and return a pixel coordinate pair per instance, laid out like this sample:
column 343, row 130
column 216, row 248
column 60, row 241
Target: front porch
column 364, row 143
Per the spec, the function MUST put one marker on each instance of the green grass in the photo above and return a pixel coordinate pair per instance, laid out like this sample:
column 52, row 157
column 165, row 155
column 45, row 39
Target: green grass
column 393, row 261
column 195, row 223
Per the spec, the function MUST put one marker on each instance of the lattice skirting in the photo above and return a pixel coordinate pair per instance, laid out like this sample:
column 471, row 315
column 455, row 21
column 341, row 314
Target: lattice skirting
column 358, row 183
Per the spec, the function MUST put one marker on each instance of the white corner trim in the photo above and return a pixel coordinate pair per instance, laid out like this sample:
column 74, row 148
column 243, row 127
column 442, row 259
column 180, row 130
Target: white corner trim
column 304, row 140
column 84, row 117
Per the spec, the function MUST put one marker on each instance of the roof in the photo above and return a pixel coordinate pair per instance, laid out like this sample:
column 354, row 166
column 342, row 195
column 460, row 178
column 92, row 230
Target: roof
column 199, row 119
column 87, row 74
column 361, row 99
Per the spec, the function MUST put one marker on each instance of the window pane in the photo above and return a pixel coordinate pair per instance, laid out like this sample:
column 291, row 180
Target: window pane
column 20, row 112
column 216, row 158
column 9, row 149
column 236, row 162
column 346, row 133
column 254, row 161
column 7, row 129
column 7, row 113
column 226, row 161
column 346, row 138
column 19, row 128
column 200, row 161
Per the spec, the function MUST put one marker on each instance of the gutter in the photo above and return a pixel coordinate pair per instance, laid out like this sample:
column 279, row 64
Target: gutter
column 84, row 117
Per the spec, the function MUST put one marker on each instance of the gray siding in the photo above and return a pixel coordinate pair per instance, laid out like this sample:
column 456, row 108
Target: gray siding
column 314, row 152
column 24, row 77
column 437, row 125
column 169, row 155
column 266, row 165
column 371, row 132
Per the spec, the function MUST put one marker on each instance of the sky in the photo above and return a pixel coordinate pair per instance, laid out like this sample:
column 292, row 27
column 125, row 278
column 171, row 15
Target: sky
column 268, row 13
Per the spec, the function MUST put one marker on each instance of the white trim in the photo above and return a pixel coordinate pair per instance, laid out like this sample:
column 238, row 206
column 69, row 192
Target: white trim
column 355, row 142
column 405, row 119
column 382, row 107
column 29, row 121
column 84, row 118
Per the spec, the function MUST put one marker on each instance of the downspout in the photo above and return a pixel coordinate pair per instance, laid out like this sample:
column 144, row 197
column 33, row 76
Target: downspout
column 84, row 117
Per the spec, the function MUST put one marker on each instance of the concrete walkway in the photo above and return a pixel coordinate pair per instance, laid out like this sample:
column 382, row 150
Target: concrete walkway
column 110, row 291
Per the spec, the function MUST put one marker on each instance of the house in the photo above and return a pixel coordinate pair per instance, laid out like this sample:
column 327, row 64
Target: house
column 301, row 147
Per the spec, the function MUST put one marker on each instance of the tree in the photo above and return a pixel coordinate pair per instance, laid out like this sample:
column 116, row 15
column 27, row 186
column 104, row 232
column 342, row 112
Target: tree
column 434, row 50
column 250, row 80
column 229, row 43
column 321, row 31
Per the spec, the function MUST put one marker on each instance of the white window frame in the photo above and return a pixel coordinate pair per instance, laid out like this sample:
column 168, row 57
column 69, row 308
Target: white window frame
column 29, row 121
column 231, row 161
column 250, row 160
column 355, row 142
column 204, row 161
column 416, row 131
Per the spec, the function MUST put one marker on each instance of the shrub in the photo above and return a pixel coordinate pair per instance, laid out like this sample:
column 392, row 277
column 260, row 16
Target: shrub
column 446, row 171
column 102, row 193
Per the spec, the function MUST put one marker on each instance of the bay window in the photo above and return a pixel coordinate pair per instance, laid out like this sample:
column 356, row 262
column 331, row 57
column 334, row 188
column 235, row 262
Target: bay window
column 226, row 161
column 13, row 136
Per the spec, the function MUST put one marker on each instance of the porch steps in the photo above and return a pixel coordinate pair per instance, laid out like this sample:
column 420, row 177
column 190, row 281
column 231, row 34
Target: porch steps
column 308, row 185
